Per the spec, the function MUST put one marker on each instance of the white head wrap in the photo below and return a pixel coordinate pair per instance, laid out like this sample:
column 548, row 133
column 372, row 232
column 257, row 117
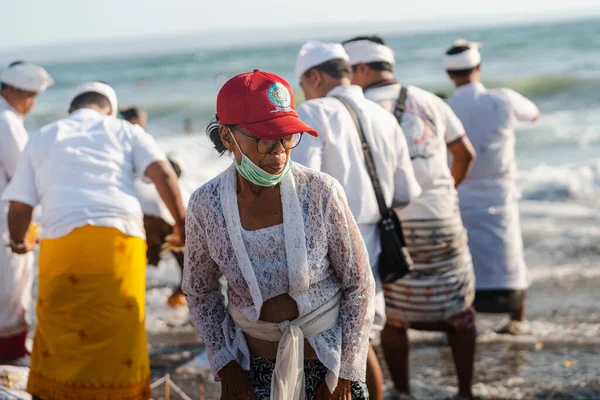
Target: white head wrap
column 101, row 88
column 467, row 59
column 27, row 76
column 314, row 53
column 366, row 51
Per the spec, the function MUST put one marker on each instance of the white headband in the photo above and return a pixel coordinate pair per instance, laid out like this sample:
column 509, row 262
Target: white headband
column 467, row 59
column 27, row 76
column 366, row 51
column 314, row 53
column 101, row 88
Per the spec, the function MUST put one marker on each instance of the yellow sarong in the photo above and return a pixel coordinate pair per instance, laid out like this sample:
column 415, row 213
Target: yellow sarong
column 90, row 341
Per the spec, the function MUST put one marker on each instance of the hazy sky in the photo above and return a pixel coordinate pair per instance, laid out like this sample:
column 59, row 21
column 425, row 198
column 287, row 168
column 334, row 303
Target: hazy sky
column 39, row 22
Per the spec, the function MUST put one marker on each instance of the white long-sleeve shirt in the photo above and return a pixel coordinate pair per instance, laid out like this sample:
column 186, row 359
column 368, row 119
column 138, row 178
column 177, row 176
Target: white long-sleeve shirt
column 489, row 118
column 338, row 152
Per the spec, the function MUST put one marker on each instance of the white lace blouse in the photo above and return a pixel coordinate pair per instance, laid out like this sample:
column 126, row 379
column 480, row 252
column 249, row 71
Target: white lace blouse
column 317, row 252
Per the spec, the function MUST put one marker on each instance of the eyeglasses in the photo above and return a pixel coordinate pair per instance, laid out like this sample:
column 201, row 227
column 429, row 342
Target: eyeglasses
column 267, row 146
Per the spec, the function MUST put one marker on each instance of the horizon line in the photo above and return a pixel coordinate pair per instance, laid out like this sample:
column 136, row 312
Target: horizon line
column 416, row 26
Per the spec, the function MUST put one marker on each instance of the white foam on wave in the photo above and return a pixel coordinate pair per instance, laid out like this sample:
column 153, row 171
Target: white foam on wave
column 580, row 181
column 569, row 126
column 201, row 160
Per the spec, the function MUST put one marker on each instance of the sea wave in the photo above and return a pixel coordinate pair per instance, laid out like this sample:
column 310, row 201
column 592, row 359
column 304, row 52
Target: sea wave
column 580, row 181
column 536, row 87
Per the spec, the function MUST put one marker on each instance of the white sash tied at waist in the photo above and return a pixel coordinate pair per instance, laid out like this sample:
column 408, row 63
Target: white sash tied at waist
column 287, row 382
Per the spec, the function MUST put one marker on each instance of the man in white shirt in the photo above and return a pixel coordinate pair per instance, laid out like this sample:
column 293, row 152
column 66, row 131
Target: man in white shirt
column 488, row 197
column 158, row 222
column 90, row 339
column 438, row 293
column 323, row 72
column 21, row 83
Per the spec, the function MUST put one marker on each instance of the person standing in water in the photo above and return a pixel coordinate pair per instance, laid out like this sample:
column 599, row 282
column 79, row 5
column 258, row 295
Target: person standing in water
column 488, row 197
column 438, row 293
column 158, row 222
column 135, row 115
column 21, row 83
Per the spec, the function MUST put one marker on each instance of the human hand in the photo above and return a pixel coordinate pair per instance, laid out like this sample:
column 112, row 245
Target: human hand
column 179, row 231
column 21, row 247
column 176, row 240
column 235, row 384
column 343, row 391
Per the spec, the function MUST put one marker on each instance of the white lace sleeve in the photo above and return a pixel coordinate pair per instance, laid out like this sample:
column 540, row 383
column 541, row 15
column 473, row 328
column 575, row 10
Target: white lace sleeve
column 201, row 285
column 350, row 260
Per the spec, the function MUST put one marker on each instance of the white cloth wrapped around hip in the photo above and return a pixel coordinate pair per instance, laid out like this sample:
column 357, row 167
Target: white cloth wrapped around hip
column 496, row 245
column 441, row 284
column 288, row 378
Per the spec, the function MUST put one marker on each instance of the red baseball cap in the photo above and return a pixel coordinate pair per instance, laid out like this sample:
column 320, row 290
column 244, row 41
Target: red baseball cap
column 262, row 103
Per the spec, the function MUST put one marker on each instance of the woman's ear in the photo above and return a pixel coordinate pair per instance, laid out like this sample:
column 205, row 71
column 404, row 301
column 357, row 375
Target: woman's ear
column 225, row 135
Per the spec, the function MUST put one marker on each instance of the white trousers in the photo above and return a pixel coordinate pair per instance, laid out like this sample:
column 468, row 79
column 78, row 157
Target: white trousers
column 16, row 279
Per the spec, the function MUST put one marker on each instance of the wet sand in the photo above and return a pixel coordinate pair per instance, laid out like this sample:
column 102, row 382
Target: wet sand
column 561, row 360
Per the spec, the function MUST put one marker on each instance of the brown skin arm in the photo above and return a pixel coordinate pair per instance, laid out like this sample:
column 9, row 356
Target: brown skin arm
column 165, row 180
column 463, row 155
column 19, row 218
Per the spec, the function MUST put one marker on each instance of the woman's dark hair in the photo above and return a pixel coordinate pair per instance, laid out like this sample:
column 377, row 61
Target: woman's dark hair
column 338, row 68
column 130, row 113
column 212, row 131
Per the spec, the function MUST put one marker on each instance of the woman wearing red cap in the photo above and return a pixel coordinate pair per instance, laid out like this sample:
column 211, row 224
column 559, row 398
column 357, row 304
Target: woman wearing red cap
column 299, row 284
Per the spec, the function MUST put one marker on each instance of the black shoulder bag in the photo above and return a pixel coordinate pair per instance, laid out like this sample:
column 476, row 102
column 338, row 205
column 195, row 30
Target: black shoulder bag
column 401, row 104
column 394, row 261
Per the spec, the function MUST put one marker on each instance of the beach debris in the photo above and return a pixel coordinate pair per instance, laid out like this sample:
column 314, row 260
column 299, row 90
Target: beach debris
column 168, row 383
column 570, row 363
column 539, row 345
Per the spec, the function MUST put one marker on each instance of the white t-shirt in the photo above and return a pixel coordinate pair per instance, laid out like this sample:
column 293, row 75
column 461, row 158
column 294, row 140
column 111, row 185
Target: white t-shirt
column 81, row 170
column 489, row 117
column 338, row 152
column 429, row 125
column 13, row 138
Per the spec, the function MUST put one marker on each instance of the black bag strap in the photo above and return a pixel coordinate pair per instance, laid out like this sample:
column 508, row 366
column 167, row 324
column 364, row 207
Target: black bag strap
column 401, row 104
column 369, row 161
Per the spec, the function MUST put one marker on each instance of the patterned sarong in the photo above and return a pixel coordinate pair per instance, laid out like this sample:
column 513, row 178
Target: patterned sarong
column 442, row 283
column 90, row 341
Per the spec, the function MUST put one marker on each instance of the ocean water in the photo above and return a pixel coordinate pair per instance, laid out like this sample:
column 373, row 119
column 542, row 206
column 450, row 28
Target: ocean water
column 555, row 64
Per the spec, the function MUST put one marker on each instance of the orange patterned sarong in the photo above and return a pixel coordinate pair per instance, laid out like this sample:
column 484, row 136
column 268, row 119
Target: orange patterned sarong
column 90, row 341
